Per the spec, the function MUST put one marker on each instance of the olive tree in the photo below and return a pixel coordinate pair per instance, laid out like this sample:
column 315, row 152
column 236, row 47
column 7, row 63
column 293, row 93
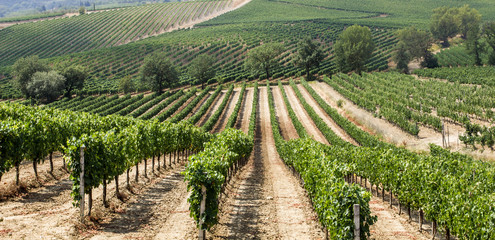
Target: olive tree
column 46, row 86
column 23, row 70
column 444, row 24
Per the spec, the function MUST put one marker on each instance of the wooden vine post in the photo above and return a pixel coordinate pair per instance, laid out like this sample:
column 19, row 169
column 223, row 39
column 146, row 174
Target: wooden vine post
column 81, row 182
column 357, row 229
column 202, row 232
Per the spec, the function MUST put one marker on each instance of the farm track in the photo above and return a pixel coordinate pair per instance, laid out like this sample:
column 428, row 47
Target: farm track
column 327, row 119
column 222, row 122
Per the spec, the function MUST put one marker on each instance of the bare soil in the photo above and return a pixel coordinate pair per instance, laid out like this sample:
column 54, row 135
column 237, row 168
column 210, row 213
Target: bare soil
column 327, row 119
column 287, row 128
column 268, row 201
column 27, row 178
column 184, row 105
column 245, row 111
column 48, row 212
column 198, row 106
column 167, row 107
column 214, row 106
column 222, row 121
column 303, row 117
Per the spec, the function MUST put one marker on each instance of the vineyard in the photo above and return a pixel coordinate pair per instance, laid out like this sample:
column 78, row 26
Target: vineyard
column 227, row 43
column 376, row 154
column 326, row 148
column 407, row 102
column 229, row 47
column 90, row 31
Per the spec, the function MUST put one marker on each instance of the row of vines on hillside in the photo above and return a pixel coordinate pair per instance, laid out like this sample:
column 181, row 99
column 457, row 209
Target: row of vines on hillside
column 113, row 144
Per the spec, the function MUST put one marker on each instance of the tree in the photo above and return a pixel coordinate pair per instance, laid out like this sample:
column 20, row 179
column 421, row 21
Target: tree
column 430, row 61
column 489, row 32
column 263, row 58
column 402, row 57
column 82, row 10
column 444, row 23
column 201, row 69
column 309, row 55
column 468, row 18
column 74, row 75
column 416, row 41
column 158, row 72
column 46, row 85
column 473, row 44
column 353, row 48
column 23, row 70
column 126, row 85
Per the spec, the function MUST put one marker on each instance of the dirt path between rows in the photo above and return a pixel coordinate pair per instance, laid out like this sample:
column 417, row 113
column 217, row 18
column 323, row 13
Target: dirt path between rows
column 245, row 111
column 214, row 106
column 222, row 122
column 198, row 106
column 144, row 218
column 393, row 134
column 287, row 128
column 269, row 202
column 166, row 107
column 27, row 178
column 362, row 118
column 303, row 117
column 327, row 119
column 151, row 108
column 48, row 212
column 184, row 105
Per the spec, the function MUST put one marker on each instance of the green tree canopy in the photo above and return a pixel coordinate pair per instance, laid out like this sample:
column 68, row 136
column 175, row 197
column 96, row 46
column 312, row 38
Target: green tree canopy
column 444, row 23
column 402, row 57
column 46, row 86
column 201, row 69
column 74, row 75
column 417, row 42
column 468, row 19
column 263, row 58
column 353, row 48
column 159, row 72
column 126, row 85
column 309, row 55
column 24, row 68
column 489, row 33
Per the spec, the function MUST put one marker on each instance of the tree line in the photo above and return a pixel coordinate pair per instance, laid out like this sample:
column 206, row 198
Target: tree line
column 446, row 23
